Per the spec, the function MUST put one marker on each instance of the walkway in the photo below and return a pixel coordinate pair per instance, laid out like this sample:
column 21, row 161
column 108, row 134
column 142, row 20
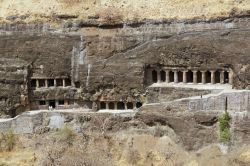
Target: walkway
column 194, row 86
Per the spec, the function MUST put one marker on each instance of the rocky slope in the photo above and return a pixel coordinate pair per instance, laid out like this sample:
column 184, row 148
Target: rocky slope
column 105, row 49
column 151, row 138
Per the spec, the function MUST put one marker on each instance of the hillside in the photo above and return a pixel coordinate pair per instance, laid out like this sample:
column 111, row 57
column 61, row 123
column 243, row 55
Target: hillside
column 33, row 10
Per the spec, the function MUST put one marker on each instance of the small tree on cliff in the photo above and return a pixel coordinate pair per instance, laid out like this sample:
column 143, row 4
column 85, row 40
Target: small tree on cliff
column 224, row 125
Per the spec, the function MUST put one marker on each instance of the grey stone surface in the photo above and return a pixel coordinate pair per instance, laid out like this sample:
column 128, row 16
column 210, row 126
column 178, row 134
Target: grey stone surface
column 56, row 121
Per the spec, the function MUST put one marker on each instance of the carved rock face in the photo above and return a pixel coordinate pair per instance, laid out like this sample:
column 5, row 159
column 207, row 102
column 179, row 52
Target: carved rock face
column 110, row 64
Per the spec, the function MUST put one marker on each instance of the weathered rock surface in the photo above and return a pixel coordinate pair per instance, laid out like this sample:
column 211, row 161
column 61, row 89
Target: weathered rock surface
column 106, row 57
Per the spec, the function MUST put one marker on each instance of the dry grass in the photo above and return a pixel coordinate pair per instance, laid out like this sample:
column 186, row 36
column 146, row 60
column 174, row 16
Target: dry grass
column 123, row 148
column 8, row 141
column 17, row 158
column 130, row 9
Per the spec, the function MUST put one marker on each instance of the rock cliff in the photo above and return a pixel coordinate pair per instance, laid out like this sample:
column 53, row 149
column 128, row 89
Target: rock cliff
column 119, row 55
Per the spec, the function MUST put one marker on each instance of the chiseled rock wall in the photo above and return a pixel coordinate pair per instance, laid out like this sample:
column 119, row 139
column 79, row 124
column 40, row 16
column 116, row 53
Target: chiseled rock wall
column 110, row 62
column 238, row 101
column 194, row 129
column 164, row 94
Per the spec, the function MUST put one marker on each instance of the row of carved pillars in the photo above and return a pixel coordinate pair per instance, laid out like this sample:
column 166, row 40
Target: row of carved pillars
column 119, row 105
column 194, row 76
column 38, row 83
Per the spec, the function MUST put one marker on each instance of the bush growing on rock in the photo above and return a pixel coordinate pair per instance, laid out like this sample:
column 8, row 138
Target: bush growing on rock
column 8, row 141
column 66, row 134
column 224, row 121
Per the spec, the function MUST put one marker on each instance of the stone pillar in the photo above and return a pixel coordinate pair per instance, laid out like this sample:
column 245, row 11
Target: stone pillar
column 46, row 83
column 203, row 77
column 37, row 83
column 57, row 103
column 158, row 76
column 167, row 76
column 213, row 77
column 222, row 77
column 115, row 103
column 195, row 77
column 185, row 76
column 66, row 102
column 107, row 105
column 176, row 76
column 126, row 106
column 149, row 76
column 230, row 77
column 94, row 106
column 55, row 83
column 134, row 105
column 64, row 84
column 47, row 104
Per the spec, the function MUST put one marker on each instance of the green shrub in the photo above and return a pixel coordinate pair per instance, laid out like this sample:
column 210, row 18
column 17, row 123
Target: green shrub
column 8, row 141
column 224, row 124
column 66, row 134
column 159, row 131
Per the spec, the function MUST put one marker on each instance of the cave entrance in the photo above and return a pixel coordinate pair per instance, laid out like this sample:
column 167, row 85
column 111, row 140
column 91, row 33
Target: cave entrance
column 154, row 76
column 120, row 106
column 130, row 105
column 138, row 104
column 67, row 82
column 52, row 103
column 13, row 113
column 77, row 84
column 199, row 77
column 41, row 83
column 180, row 76
column 171, row 76
column 208, row 77
column 217, row 77
column 190, row 78
column 42, row 103
column 102, row 106
column 51, row 83
column 33, row 83
column 59, row 82
column 226, row 77
column 111, row 106
column 163, row 76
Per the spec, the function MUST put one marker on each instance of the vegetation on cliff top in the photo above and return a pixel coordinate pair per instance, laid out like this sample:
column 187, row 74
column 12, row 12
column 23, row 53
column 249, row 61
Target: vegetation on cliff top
column 31, row 10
